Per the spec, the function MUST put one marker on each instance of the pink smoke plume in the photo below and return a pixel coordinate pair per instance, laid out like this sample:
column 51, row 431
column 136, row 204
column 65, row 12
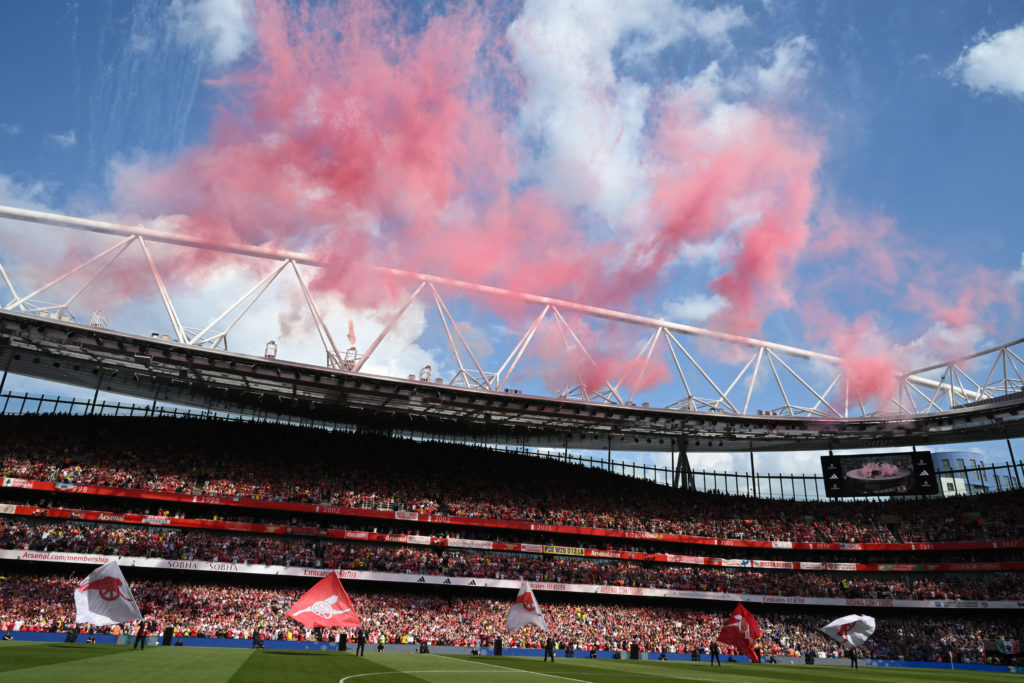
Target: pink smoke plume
column 356, row 139
column 761, row 175
column 361, row 142
column 953, row 308
column 361, row 138
column 339, row 131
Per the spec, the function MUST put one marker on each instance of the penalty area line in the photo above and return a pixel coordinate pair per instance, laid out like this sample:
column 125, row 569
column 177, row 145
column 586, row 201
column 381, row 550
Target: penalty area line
column 431, row 671
column 522, row 671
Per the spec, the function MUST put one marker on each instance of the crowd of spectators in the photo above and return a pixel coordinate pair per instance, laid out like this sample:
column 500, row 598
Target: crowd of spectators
column 262, row 549
column 78, row 506
column 44, row 603
column 274, row 462
column 148, row 541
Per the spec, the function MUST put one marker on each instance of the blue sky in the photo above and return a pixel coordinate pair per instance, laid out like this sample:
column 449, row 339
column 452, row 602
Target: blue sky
column 895, row 127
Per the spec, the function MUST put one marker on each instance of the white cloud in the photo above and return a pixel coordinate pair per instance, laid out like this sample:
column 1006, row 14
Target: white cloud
column 706, row 88
column 791, row 62
column 1017, row 276
column 10, row 128
column 694, row 309
column 220, row 25
column 64, row 140
column 993, row 64
column 941, row 343
column 140, row 43
column 32, row 195
column 787, row 63
column 587, row 120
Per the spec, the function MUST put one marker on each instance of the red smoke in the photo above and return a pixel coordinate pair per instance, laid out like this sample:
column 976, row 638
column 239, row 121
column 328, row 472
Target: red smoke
column 351, row 137
column 345, row 139
column 752, row 187
column 868, row 260
column 361, row 138
column 869, row 366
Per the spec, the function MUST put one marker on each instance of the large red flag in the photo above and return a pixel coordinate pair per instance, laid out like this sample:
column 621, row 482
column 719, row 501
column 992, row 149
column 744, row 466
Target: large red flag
column 325, row 604
column 742, row 631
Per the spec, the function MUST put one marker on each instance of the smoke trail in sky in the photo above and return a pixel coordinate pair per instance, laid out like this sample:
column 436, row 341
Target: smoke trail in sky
column 360, row 139
column 439, row 144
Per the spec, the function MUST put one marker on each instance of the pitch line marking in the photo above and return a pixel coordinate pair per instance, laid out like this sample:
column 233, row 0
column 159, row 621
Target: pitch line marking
column 661, row 674
column 523, row 671
column 432, row 671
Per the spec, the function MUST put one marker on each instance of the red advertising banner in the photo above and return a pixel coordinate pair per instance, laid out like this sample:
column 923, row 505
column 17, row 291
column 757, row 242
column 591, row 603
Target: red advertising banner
column 412, row 539
column 236, row 501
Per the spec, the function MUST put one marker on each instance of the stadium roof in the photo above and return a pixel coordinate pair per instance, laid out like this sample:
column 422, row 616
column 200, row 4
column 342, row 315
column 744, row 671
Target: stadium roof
column 166, row 371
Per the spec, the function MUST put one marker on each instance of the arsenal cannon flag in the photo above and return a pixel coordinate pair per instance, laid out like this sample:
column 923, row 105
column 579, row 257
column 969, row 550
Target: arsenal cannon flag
column 851, row 630
column 325, row 604
column 524, row 610
column 103, row 598
column 742, row 631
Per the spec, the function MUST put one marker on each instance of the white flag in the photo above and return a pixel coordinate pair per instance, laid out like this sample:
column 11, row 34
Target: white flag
column 103, row 598
column 524, row 610
column 851, row 630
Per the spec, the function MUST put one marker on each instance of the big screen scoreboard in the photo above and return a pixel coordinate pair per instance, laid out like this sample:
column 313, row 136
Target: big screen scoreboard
column 879, row 474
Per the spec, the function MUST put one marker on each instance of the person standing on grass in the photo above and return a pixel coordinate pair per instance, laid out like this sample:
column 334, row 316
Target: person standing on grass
column 360, row 642
column 714, row 653
column 140, row 636
column 549, row 649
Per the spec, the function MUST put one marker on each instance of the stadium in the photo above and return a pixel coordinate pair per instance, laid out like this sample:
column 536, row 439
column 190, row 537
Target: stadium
column 221, row 511
column 503, row 475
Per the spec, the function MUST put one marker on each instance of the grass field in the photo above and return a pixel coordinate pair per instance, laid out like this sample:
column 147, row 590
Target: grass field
column 51, row 662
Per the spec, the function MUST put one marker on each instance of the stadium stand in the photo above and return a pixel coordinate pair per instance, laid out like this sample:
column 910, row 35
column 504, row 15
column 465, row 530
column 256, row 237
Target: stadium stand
column 135, row 541
column 378, row 508
column 268, row 463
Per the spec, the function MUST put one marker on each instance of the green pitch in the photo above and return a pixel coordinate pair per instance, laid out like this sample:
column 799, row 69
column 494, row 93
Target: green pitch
column 49, row 662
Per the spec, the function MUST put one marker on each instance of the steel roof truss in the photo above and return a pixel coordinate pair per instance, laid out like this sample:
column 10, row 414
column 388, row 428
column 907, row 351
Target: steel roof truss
column 179, row 331
column 1015, row 363
column 520, row 347
column 18, row 302
column 956, row 391
column 649, row 348
column 739, row 375
column 7, row 280
column 999, row 360
column 200, row 339
column 333, row 355
column 484, row 382
column 807, row 386
column 682, row 376
column 828, row 390
column 778, row 383
column 703, row 374
column 932, row 402
column 753, row 379
column 562, row 328
column 387, row 328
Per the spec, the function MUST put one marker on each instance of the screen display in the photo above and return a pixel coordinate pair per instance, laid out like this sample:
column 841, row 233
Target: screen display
column 879, row 474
